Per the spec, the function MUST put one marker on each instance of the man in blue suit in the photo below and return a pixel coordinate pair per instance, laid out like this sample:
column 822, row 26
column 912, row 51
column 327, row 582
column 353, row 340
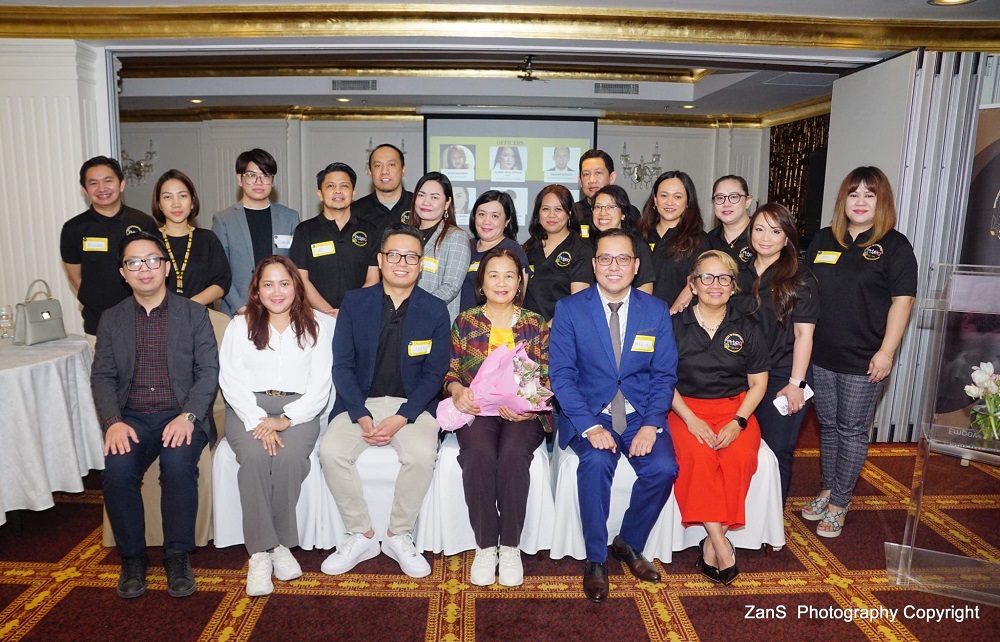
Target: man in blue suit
column 613, row 367
column 390, row 355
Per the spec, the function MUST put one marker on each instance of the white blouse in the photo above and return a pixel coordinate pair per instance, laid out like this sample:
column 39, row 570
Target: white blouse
column 282, row 365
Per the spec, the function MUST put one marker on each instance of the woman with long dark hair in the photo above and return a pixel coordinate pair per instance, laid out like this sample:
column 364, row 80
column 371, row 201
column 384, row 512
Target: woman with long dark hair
column 731, row 201
column 611, row 207
column 781, row 294
column 446, row 246
column 276, row 374
column 493, row 224
column 671, row 224
column 867, row 275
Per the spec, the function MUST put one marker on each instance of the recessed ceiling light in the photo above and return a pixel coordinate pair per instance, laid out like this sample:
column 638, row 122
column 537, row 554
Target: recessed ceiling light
column 948, row 3
column 343, row 100
column 196, row 101
column 687, row 106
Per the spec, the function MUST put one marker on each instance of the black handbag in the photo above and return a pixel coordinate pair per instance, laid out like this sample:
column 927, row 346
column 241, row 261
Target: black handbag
column 38, row 321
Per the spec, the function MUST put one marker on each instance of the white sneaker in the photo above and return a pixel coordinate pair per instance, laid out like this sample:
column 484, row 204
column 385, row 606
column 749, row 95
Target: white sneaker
column 259, row 575
column 484, row 567
column 355, row 550
column 511, row 571
column 401, row 549
column 286, row 567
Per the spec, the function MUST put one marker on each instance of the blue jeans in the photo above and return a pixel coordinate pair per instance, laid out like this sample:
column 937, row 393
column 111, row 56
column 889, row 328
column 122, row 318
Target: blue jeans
column 122, row 481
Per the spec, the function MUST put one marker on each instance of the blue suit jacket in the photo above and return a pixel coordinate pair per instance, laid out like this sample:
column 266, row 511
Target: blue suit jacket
column 230, row 225
column 582, row 361
column 355, row 346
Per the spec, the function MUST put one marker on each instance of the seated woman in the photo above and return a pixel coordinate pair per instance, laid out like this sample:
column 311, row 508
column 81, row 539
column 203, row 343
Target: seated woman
column 721, row 377
column 199, row 267
column 276, row 374
column 496, row 452
column 611, row 206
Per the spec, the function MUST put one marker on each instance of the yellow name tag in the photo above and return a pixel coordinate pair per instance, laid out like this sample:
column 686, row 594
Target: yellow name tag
column 323, row 249
column 430, row 264
column 652, row 246
column 585, row 231
column 531, row 268
column 474, row 266
column 827, row 257
column 418, row 348
column 95, row 244
column 643, row 343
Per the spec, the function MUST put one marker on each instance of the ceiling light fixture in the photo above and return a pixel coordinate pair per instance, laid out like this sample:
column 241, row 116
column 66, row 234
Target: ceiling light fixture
column 343, row 100
column 196, row 101
column 687, row 106
column 948, row 3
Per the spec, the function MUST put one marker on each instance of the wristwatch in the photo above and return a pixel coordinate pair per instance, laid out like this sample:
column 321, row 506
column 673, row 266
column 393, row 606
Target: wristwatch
column 801, row 383
column 741, row 422
column 190, row 416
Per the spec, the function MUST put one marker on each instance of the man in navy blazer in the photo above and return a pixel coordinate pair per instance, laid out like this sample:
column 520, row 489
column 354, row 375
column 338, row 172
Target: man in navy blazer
column 154, row 377
column 615, row 401
column 390, row 356
column 253, row 228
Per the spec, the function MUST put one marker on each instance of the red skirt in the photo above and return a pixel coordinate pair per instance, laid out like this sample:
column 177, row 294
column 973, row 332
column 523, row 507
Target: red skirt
column 712, row 484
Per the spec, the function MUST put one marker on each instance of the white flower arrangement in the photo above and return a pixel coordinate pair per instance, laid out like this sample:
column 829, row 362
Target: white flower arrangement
column 986, row 388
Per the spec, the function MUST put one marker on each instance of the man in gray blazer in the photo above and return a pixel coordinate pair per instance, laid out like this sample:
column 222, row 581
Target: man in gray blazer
column 255, row 227
column 154, row 377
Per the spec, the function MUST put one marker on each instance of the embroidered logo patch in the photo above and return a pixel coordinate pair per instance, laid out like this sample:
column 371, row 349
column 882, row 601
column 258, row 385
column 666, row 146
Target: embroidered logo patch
column 132, row 229
column 746, row 255
column 360, row 239
column 563, row 259
column 404, row 217
column 873, row 252
column 733, row 342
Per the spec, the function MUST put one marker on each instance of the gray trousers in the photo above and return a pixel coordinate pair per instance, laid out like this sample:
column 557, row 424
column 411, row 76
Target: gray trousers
column 845, row 406
column 270, row 486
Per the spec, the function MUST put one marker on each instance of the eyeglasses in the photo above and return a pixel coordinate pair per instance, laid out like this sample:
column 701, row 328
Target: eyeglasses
column 623, row 260
column 719, row 199
column 152, row 262
column 393, row 257
column 709, row 279
column 254, row 177
column 605, row 208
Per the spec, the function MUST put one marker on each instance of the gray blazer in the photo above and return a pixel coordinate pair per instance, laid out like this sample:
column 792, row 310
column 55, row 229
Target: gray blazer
column 192, row 359
column 230, row 225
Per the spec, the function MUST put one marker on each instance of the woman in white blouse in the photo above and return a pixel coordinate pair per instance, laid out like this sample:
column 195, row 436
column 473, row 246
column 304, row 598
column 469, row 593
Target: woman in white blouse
column 276, row 375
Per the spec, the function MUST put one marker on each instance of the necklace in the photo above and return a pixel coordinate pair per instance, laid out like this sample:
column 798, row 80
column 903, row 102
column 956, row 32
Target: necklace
column 701, row 321
column 178, row 271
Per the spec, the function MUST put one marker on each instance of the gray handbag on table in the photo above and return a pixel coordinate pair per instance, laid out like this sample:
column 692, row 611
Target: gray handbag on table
column 38, row 321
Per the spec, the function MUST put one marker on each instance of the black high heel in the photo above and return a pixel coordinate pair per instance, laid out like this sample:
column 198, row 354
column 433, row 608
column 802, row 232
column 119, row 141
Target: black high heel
column 727, row 576
column 706, row 569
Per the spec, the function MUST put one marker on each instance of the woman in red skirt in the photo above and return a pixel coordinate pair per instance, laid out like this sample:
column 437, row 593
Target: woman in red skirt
column 721, row 377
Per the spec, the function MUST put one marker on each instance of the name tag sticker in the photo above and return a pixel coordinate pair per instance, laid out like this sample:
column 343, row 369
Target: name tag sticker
column 95, row 244
column 827, row 257
column 323, row 249
column 643, row 343
column 282, row 241
column 474, row 266
column 418, row 348
column 652, row 246
column 430, row 264
column 531, row 268
column 585, row 231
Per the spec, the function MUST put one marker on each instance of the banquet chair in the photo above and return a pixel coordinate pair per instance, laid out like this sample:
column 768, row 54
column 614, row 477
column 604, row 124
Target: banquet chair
column 764, row 510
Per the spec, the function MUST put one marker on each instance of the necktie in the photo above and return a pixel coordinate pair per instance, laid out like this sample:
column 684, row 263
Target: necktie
column 618, row 421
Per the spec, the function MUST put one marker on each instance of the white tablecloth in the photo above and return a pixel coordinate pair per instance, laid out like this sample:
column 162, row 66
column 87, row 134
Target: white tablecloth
column 49, row 433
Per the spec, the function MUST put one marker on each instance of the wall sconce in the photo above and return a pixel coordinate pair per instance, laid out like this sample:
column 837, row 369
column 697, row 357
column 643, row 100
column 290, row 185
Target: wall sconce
column 641, row 173
column 138, row 170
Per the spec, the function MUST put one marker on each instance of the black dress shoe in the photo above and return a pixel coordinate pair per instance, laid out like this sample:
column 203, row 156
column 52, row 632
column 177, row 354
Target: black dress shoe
column 595, row 582
column 132, row 578
column 180, row 577
column 642, row 568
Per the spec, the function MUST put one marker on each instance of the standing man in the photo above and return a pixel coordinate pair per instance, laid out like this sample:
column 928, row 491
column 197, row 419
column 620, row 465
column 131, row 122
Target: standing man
column 597, row 170
column 154, row 378
column 389, row 203
column 388, row 376
column 253, row 228
column 613, row 367
column 335, row 251
column 89, row 241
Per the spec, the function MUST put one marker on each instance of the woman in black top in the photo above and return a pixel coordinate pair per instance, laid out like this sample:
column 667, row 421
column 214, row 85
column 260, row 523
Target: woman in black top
column 611, row 206
column 493, row 224
column 199, row 267
column 731, row 202
column 781, row 294
column 867, row 275
column 671, row 224
column 559, row 260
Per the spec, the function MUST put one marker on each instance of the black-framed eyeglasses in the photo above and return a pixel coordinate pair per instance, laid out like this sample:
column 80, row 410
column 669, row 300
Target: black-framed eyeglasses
column 623, row 260
column 393, row 257
column 605, row 208
column 708, row 279
column 719, row 199
column 254, row 177
column 152, row 262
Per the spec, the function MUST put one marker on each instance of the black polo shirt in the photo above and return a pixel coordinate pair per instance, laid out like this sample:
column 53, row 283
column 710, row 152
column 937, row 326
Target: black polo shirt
column 856, row 286
column 468, row 296
column 739, row 249
column 337, row 260
column 386, row 381
column 91, row 240
column 551, row 276
column 717, row 367
column 780, row 339
column 671, row 271
column 584, row 213
column 369, row 208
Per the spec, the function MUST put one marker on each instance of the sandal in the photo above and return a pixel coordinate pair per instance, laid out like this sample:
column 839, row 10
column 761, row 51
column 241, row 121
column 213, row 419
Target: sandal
column 834, row 523
column 816, row 509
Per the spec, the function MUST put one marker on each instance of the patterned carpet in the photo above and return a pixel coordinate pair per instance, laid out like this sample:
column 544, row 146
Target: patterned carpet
column 57, row 581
